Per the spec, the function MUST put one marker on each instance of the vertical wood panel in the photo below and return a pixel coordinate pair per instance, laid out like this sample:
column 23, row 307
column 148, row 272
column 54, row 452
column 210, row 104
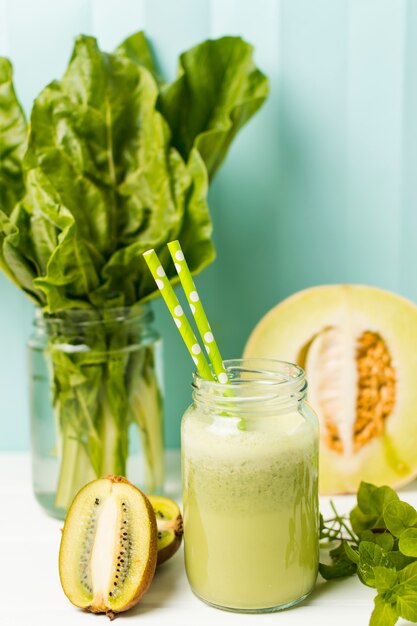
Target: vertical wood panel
column 114, row 21
column 408, row 247
column 174, row 27
column 4, row 37
column 245, row 223
column 375, row 110
column 312, row 140
column 41, row 35
column 320, row 187
column 40, row 38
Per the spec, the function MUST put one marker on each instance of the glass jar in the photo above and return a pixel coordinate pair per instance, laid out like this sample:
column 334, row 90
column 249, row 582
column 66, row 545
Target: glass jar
column 250, row 488
column 95, row 379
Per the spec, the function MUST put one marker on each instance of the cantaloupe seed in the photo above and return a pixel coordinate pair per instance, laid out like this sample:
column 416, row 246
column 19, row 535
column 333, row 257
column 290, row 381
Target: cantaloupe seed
column 376, row 388
column 355, row 393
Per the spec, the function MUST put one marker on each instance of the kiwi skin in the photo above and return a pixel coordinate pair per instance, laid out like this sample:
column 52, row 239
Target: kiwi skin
column 149, row 571
column 169, row 551
column 173, row 524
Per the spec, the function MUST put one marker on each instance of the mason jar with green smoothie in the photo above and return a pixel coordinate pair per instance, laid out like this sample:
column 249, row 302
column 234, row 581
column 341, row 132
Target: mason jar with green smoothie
column 250, row 494
column 250, row 469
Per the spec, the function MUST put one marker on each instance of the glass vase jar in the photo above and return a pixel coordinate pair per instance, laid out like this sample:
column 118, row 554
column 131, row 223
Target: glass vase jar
column 250, row 488
column 95, row 385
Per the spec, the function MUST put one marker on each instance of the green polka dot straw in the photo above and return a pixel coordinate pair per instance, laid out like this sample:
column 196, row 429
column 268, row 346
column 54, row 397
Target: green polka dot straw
column 177, row 313
column 197, row 310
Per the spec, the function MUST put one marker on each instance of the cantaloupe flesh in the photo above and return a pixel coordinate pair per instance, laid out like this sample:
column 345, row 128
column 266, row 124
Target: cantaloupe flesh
column 286, row 329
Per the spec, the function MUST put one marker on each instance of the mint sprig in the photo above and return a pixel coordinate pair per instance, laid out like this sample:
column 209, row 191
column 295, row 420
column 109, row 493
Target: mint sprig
column 378, row 543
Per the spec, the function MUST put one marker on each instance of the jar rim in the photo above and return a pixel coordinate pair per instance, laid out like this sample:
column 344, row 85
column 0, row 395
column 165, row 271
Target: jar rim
column 253, row 380
column 277, row 371
column 88, row 317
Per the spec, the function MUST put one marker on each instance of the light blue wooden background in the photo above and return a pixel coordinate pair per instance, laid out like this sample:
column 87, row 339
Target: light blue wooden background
column 321, row 187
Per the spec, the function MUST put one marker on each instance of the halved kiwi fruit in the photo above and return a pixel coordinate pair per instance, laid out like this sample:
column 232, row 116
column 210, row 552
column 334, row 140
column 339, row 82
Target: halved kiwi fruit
column 108, row 550
column 169, row 523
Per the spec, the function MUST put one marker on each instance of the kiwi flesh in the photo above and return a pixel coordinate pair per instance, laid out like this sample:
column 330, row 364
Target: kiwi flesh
column 108, row 549
column 169, row 524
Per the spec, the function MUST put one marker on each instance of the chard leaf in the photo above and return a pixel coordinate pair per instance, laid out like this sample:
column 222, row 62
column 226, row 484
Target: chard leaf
column 103, row 174
column 137, row 49
column 13, row 141
column 115, row 164
column 70, row 274
column 76, row 386
column 217, row 91
column 14, row 248
column 44, row 237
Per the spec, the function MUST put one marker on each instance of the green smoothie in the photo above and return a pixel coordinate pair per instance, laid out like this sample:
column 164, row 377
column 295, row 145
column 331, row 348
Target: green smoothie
column 250, row 509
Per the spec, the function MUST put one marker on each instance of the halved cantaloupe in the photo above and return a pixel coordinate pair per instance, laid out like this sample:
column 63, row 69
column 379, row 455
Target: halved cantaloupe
column 358, row 346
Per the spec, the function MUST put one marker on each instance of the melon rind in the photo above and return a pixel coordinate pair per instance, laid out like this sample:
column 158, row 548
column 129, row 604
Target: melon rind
column 281, row 334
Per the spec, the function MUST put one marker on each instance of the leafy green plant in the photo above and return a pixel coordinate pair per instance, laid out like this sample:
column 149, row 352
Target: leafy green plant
column 113, row 162
column 378, row 542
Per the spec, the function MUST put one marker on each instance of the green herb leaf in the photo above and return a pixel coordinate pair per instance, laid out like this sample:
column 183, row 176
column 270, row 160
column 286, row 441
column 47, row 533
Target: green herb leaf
column 369, row 513
column 406, row 592
column 399, row 516
column 352, row 554
column 370, row 556
column 372, row 500
column 407, row 603
column 385, row 578
column 408, row 542
column 383, row 539
column 397, row 560
column 384, row 613
column 382, row 560
column 409, row 574
column 341, row 565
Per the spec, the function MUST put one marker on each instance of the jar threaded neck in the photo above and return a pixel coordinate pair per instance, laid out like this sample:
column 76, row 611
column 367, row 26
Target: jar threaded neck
column 261, row 385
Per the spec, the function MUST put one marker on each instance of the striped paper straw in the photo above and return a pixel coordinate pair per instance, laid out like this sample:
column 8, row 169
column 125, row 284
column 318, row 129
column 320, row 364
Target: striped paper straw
column 197, row 310
column 177, row 313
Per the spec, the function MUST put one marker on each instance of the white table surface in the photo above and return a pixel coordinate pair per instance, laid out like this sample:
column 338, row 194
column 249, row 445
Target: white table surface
column 30, row 591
